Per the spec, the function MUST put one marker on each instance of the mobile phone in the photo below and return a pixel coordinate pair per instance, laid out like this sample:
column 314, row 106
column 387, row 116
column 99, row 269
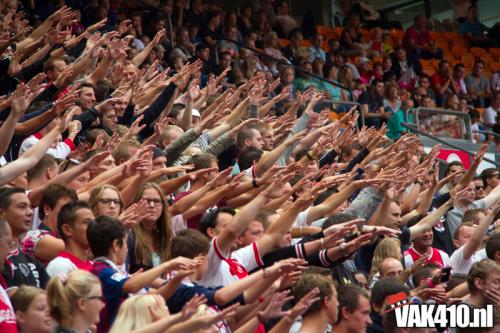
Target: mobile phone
column 445, row 274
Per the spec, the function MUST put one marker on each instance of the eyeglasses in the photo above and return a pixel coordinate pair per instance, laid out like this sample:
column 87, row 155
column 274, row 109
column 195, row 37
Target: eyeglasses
column 156, row 202
column 478, row 188
column 117, row 202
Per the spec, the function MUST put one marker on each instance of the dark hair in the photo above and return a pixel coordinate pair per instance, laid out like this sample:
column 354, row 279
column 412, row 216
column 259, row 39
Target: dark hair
column 451, row 164
column 49, row 65
column 487, row 174
column 423, row 273
column 492, row 246
column 458, row 66
column 348, row 297
column 67, row 215
column 212, row 14
column 202, row 161
column 189, row 243
column 6, row 193
column 209, row 220
column 248, row 157
column 375, row 82
column 386, row 287
column 102, row 232
column 51, row 196
column 87, row 85
column 45, row 162
column 308, row 282
column 201, row 47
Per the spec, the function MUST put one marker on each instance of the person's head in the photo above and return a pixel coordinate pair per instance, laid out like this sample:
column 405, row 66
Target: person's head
column 267, row 134
column 354, row 308
column 423, row 241
column 473, row 13
column 190, row 244
column 107, row 237
column 452, row 102
column 493, row 248
column 318, row 40
column 77, row 296
column 204, row 161
column 478, row 68
column 479, row 188
column 459, row 71
column 287, row 74
column 7, row 242
column 109, row 119
column 214, row 18
column 283, row 8
column 483, row 276
column 106, row 200
column 169, row 134
column 468, row 196
column 15, row 208
column 225, row 60
column 53, row 198
column 419, row 22
column 215, row 221
column 44, row 170
column 327, row 302
column 296, row 37
column 393, row 219
column 86, row 97
column 159, row 159
column 390, row 90
column 406, row 104
column 495, row 101
column 317, row 66
column 463, row 234
column 32, row 311
column 129, row 71
column 156, row 225
column 81, row 180
column 491, row 178
column 203, row 51
column 400, row 53
column 135, row 313
column 384, row 288
column 345, row 75
column 454, row 167
column 105, row 164
column 331, row 71
column 249, row 138
column 377, row 87
column 444, row 68
column 386, row 248
column 125, row 150
column 362, row 280
column 390, row 268
column 72, row 223
column 54, row 67
column 423, row 273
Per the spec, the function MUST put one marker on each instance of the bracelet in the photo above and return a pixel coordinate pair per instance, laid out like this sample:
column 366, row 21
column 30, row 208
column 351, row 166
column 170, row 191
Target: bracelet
column 254, row 183
column 322, row 245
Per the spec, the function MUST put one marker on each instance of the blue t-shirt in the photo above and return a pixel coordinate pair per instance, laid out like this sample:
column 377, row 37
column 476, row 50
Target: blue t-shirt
column 188, row 290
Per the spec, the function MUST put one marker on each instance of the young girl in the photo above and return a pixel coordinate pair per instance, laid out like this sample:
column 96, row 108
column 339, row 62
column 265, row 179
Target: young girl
column 30, row 304
column 376, row 41
column 75, row 301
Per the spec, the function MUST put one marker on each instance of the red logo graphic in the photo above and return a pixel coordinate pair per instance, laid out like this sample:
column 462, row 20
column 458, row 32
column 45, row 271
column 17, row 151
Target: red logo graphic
column 395, row 301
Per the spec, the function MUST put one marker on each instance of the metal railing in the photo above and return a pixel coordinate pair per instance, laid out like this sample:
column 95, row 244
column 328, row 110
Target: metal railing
column 413, row 128
column 461, row 116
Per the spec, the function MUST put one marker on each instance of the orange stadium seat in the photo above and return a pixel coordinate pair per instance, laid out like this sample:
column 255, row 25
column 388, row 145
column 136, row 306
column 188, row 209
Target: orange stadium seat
column 488, row 59
column 452, row 35
column 450, row 58
column 429, row 70
column 305, row 43
column 468, row 59
column 495, row 66
column 284, row 42
column 478, row 51
column 495, row 51
column 458, row 51
column 443, row 43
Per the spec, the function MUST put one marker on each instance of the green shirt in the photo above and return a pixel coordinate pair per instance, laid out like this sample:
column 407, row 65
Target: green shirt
column 395, row 126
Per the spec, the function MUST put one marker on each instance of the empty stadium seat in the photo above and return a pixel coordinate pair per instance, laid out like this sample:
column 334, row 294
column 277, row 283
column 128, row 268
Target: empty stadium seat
column 478, row 51
column 468, row 59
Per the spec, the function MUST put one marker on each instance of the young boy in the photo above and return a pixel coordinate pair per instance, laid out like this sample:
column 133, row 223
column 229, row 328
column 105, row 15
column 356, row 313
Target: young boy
column 107, row 239
column 72, row 223
column 193, row 244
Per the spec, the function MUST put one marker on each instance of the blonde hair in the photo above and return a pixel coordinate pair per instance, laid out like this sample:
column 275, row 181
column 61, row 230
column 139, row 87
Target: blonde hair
column 96, row 195
column 386, row 248
column 63, row 296
column 162, row 235
column 134, row 314
column 24, row 296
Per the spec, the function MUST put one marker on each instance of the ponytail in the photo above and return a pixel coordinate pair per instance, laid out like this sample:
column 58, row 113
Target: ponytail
column 63, row 293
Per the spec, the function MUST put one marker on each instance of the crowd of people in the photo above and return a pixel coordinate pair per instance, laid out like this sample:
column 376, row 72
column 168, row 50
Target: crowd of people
column 156, row 177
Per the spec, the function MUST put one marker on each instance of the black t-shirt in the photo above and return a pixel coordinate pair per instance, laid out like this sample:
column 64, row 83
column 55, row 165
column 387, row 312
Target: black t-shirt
column 374, row 102
column 21, row 268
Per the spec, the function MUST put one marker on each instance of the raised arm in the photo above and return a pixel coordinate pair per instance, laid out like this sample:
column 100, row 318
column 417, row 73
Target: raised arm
column 428, row 222
column 477, row 237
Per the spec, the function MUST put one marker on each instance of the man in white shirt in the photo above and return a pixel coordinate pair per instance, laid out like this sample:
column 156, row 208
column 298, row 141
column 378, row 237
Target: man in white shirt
column 491, row 113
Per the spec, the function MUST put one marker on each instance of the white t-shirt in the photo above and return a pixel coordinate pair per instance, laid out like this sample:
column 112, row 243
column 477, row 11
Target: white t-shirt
column 461, row 266
column 224, row 268
column 60, row 266
column 489, row 116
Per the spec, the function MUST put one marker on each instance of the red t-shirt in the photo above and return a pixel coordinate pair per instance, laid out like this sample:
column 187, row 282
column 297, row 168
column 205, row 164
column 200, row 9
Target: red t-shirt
column 437, row 78
column 8, row 323
column 420, row 37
